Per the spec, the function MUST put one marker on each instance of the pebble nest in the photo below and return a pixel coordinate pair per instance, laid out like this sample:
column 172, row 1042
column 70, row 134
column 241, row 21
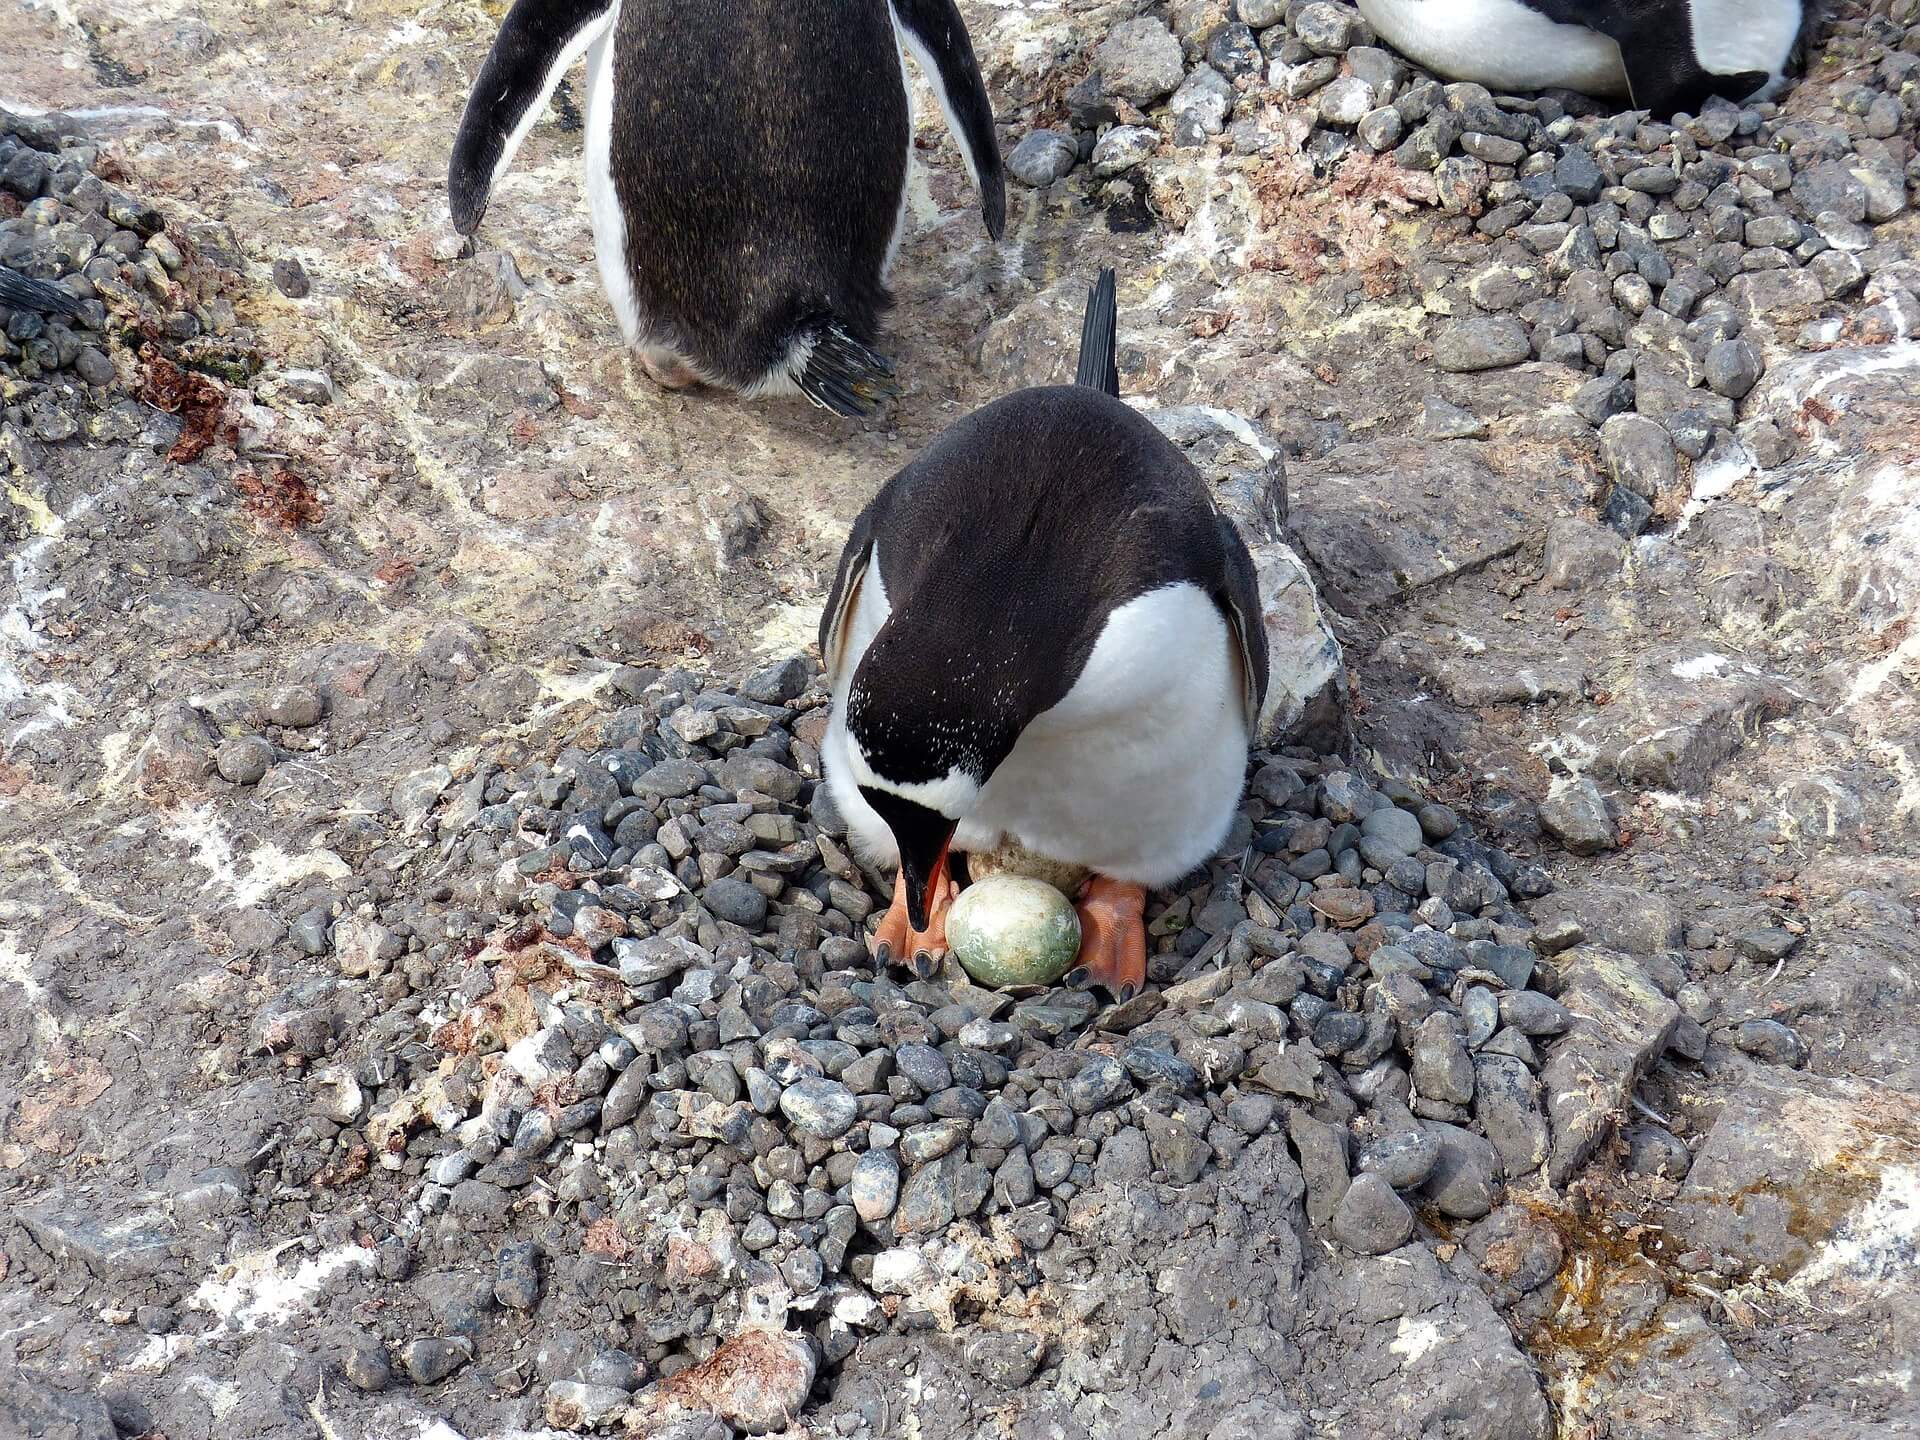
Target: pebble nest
column 658, row 1027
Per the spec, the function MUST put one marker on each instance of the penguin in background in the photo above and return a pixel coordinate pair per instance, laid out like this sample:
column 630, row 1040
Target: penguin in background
column 746, row 171
column 1043, row 639
column 1663, row 56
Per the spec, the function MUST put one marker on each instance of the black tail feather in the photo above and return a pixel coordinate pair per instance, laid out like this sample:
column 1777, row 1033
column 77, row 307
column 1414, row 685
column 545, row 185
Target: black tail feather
column 18, row 292
column 1100, row 339
column 845, row 376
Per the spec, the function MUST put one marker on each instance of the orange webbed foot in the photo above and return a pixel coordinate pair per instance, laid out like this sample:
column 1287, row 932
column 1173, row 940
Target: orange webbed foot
column 896, row 942
column 1113, row 938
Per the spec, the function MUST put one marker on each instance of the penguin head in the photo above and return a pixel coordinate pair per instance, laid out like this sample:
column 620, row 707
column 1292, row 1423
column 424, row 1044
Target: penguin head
column 923, row 743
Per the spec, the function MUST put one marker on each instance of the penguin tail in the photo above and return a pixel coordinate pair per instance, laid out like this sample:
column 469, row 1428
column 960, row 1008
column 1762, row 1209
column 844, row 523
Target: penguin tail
column 1099, row 366
column 18, row 292
column 842, row 374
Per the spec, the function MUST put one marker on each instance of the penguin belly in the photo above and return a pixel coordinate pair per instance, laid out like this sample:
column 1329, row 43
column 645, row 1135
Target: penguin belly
column 1136, row 773
column 1502, row 44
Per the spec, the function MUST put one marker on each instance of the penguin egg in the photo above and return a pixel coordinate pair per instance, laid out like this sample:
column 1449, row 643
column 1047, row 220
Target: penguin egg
column 1008, row 929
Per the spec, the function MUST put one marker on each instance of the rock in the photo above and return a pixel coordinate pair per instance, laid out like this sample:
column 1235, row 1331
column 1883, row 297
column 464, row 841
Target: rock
column 571, row 1405
column 1580, row 553
column 1575, row 814
column 1200, row 106
column 1621, row 1024
column 1771, row 1041
column 824, row 1109
column 1328, row 29
column 1767, row 945
column 927, row 1201
column 1639, row 455
column 1655, row 1150
column 1480, row 342
column 1397, row 830
column 1043, row 157
column 1455, row 1369
column 1466, row 1174
column 516, row 1281
column 1442, row 1069
column 1504, row 1105
column 1323, row 1162
column 1404, row 1159
column 1440, row 420
column 1616, row 917
column 736, row 902
column 34, row 1409
column 1733, row 368
column 244, row 760
column 1176, row 1150
column 434, row 1358
column 1371, row 1219
column 1518, row 1250
column 1122, row 148
column 756, row 1382
column 1532, row 1013
column 1140, row 61
column 1345, row 101
column 365, row 1364
column 1577, row 175
column 875, row 1186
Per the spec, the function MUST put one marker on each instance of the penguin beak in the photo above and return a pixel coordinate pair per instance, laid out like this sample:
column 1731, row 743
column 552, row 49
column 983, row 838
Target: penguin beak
column 923, row 871
column 923, row 837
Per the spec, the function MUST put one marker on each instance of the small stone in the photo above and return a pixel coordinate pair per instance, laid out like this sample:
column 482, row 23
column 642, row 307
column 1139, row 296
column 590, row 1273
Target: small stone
column 433, row 1359
column 516, row 1277
column 365, row 1364
column 1403, row 1159
column 294, row 706
column 875, row 1186
column 1655, row 1150
column 1140, row 61
column 1371, row 1219
column 1380, row 130
column 1767, row 945
column 571, row 1405
column 1328, row 29
column 1481, row 342
column 1396, row 829
column 244, row 760
column 290, row 278
column 1639, row 454
column 824, row 1109
column 1575, row 814
column 1345, row 101
column 1771, row 1041
column 1442, row 1068
column 736, row 902
column 1099, row 1085
column 1733, row 368
column 1122, row 148
column 1043, row 157
column 1532, row 1013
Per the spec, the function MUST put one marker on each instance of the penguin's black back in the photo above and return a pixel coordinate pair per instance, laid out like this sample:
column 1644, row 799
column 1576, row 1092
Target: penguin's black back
column 759, row 154
column 1004, row 547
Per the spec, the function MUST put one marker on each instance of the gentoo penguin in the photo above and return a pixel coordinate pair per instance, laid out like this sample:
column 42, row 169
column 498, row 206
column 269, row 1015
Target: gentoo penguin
column 1664, row 56
column 19, row 292
column 746, row 170
column 1043, row 635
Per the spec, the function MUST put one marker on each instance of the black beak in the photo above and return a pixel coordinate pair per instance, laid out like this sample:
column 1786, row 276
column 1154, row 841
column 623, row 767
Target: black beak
column 922, row 836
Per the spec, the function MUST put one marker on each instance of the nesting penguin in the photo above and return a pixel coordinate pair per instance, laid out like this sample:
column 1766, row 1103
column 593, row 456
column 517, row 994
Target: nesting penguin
column 1664, row 56
column 746, row 171
column 1042, row 636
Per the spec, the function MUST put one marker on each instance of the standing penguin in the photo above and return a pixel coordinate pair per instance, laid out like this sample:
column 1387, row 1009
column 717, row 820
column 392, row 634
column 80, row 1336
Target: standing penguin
column 1043, row 637
column 1664, row 56
column 746, row 169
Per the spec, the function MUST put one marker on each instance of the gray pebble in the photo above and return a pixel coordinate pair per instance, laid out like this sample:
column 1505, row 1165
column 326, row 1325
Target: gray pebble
column 1371, row 1219
column 824, row 1109
column 1043, row 157
column 433, row 1359
column 1403, row 1159
column 244, row 760
column 1771, row 1041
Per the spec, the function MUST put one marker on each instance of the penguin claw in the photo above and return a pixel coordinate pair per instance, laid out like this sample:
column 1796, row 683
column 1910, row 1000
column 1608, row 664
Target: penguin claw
column 896, row 942
column 1113, row 938
column 926, row 964
column 1078, row 977
column 882, row 954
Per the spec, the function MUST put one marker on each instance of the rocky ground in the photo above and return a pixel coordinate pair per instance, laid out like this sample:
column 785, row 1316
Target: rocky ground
column 436, row 1006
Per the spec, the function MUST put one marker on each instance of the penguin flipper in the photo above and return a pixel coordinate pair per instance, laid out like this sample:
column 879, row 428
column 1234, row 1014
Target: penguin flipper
column 1239, row 601
column 1099, row 366
column 854, row 559
column 537, row 44
column 937, row 36
column 20, row 292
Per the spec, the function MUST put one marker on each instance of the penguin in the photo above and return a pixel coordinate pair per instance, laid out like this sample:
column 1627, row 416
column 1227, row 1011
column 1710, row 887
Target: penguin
column 19, row 292
column 1663, row 56
column 746, row 172
column 1043, row 637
